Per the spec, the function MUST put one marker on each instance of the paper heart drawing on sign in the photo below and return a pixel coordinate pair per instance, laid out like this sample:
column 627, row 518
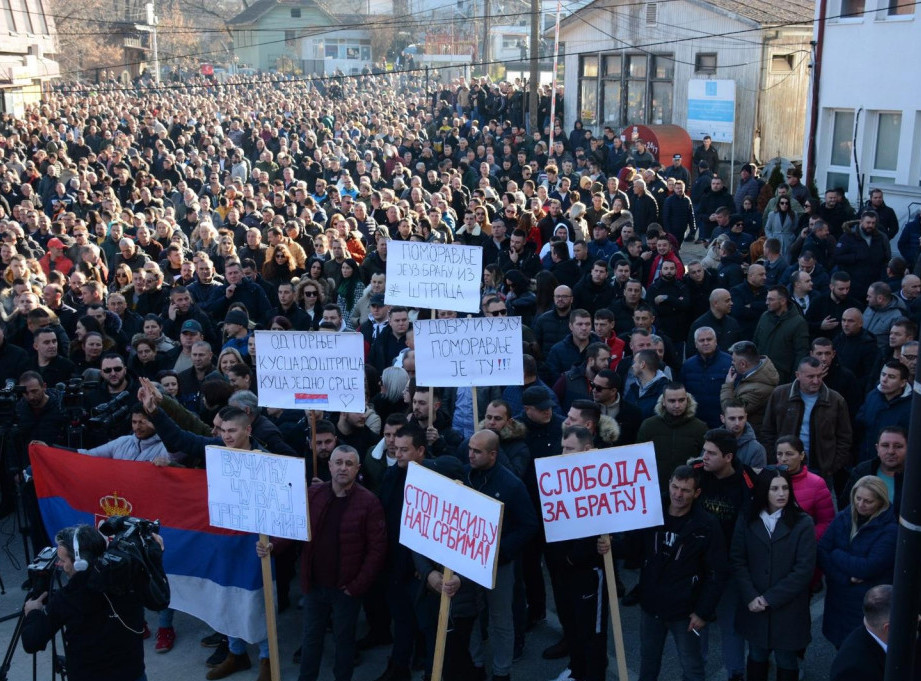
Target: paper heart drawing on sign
column 346, row 400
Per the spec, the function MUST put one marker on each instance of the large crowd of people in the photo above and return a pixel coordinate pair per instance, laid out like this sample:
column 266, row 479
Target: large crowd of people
column 147, row 232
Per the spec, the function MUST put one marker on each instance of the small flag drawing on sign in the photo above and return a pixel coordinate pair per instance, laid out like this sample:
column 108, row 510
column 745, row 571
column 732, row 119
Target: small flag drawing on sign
column 310, row 398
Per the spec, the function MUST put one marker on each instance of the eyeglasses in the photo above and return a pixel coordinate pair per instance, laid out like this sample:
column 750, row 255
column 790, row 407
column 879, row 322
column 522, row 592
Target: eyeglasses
column 113, row 370
column 599, row 388
column 784, row 203
column 907, row 356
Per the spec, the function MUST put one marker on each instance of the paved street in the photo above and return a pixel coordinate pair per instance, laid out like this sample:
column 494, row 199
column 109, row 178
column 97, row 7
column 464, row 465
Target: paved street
column 186, row 660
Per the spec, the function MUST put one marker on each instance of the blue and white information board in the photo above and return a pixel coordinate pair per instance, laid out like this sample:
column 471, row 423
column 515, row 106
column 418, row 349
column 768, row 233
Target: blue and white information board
column 712, row 109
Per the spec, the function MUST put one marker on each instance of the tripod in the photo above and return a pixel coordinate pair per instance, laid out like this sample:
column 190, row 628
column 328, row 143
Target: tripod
column 13, row 458
column 57, row 664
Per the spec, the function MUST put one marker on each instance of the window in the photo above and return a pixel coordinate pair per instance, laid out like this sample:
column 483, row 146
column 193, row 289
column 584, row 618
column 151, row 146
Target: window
column 290, row 38
column 295, row 12
column 901, row 8
column 624, row 89
column 8, row 14
column 705, row 63
column 40, row 15
column 842, row 138
column 842, row 133
column 782, row 63
column 886, row 148
column 30, row 22
column 852, row 9
column 588, row 90
column 652, row 13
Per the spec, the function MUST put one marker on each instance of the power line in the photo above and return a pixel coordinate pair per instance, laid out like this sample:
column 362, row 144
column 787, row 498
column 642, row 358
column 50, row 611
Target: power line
column 639, row 47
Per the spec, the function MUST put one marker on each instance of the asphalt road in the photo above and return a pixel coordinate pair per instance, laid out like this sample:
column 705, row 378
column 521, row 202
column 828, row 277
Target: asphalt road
column 187, row 659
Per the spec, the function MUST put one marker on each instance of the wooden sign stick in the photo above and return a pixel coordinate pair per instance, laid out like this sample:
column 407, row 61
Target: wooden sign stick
column 313, row 443
column 615, row 614
column 442, row 633
column 476, row 410
column 270, row 623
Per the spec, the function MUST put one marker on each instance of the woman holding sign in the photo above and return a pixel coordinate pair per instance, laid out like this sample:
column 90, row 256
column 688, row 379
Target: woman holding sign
column 773, row 557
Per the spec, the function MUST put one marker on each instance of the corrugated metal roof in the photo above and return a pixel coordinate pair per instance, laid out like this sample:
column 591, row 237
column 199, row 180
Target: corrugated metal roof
column 768, row 12
column 764, row 12
column 260, row 8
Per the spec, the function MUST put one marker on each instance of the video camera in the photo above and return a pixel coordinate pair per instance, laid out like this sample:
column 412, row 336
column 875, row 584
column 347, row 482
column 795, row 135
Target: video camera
column 111, row 412
column 133, row 561
column 41, row 571
column 9, row 395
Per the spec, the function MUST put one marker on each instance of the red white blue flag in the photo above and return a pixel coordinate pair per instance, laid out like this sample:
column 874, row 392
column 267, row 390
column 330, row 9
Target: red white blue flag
column 214, row 574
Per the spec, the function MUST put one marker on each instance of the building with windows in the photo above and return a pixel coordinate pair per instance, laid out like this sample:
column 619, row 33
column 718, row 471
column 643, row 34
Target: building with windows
column 303, row 36
column 868, row 105
column 629, row 63
column 28, row 36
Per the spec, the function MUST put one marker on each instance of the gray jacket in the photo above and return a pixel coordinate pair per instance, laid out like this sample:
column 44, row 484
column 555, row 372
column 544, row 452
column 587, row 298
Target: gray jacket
column 751, row 452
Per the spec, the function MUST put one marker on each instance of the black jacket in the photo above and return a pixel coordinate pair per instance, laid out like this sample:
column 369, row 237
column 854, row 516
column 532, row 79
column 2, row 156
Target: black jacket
column 689, row 575
column 519, row 520
column 860, row 658
column 97, row 645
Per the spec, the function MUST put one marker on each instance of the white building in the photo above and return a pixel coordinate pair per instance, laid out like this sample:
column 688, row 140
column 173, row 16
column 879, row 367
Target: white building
column 868, row 91
column 629, row 63
column 28, row 36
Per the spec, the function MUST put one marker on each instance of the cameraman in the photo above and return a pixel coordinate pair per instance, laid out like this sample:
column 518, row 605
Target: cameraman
column 39, row 411
column 103, row 634
column 115, row 380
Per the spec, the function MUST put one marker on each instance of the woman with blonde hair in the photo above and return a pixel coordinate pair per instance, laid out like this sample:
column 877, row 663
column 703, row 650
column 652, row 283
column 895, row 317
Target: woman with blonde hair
column 856, row 553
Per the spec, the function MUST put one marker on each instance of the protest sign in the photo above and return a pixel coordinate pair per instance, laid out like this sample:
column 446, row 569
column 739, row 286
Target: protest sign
column 257, row 492
column 451, row 524
column 311, row 370
column 599, row 491
column 436, row 276
column 469, row 351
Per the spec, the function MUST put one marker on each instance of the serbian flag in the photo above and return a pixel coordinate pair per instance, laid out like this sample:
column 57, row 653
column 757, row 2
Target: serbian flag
column 214, row 574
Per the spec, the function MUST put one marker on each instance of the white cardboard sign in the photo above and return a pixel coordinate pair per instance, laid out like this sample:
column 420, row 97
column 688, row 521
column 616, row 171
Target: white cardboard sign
column 451, row 524
column 599, row 492
column 436, row 276
column 257, row 492
column 311, row 370
column 469, row 351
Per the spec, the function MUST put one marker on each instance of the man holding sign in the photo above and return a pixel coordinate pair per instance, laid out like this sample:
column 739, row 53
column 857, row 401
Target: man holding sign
column 684, row 570
column 518, row 525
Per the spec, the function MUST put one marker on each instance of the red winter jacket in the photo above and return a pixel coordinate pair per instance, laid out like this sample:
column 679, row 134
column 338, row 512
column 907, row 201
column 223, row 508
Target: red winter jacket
column 362, row 538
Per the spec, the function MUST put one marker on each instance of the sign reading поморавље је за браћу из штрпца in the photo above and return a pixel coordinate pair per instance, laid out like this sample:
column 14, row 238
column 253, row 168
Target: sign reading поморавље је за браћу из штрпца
column 434, row 276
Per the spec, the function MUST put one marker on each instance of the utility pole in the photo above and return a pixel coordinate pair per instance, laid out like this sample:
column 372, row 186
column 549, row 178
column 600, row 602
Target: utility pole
column 487, row 15
column 152, row 22
column 906, row 587
column 534, row 81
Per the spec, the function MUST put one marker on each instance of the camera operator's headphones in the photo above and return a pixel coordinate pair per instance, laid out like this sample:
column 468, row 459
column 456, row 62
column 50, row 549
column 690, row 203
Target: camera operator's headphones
column 80, row 564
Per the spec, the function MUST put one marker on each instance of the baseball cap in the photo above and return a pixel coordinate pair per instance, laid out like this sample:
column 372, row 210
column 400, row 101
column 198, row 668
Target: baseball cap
column 376, row 299
column 191, row 326
column 537, row 396
column 676, row 157
column 56, row 243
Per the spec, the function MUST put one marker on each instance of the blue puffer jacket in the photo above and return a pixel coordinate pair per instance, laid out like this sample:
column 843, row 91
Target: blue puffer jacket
column 869, row 557
column 703, row 378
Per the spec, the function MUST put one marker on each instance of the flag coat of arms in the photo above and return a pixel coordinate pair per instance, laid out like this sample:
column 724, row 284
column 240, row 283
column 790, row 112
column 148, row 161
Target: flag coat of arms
column 214, row 574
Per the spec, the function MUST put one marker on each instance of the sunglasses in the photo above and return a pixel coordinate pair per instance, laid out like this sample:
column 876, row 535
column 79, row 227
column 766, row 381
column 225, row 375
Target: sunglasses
column 112, row 370
column 310, row 294
column 497, row 313
column 599, row 388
